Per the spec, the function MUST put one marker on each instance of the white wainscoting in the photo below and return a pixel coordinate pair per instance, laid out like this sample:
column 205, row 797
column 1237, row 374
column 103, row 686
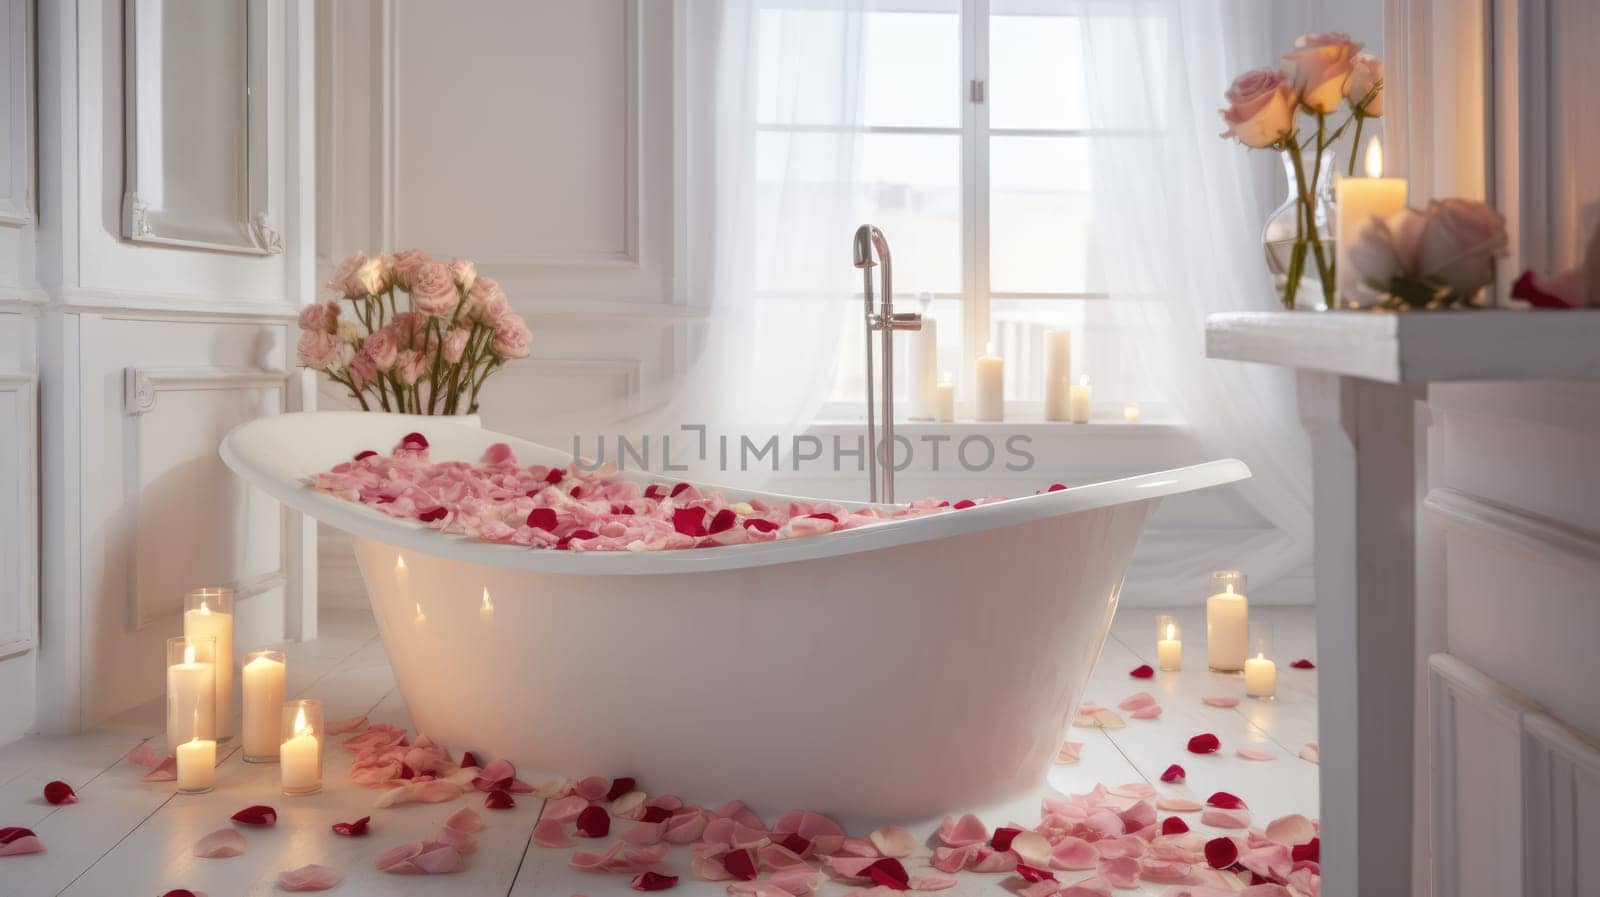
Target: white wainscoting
column 16, row 112
column 19, row 514
column 1561, row 801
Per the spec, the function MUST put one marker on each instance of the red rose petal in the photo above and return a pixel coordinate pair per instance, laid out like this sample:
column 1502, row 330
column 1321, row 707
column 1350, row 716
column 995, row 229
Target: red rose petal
column 1311, row 850
column 1055, row 487
column 259, row 814
column 555, row 476
column 594, row 822
column 1226, row 801
column 352, row 829
column 1174, row 774
column 655, row 814
column 13, row 832
column 890, row 873
column 469, row 760
column 622, row 510
column 406, row 772
column 653, row 881
column 724, row 520
column 740, row 864
column 542, row 518
column 499, row 800
column 180, row 892
column 1204, row 743
column 1221, row 852
column 1303, row 664
column 366, row 454
column 1031, row 874
column 964, row 504
column 620, row 787
column 1173, row 825
column 652, row 491
column 689, row 521
column 825, row 516
column 1003, row 836
column 414, row 441
column 1142, row 671
column 796, row 842
column 759, row 525
column 433, row 514
column 60, row 793
column 678, row 489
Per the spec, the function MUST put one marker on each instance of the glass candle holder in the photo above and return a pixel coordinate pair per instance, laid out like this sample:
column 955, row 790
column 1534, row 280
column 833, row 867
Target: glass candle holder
column 197, row 765
column 1169, row 643
column 1227, row 613
column 1260, row 673
column 191, row 690
column 300, row 747
column 262, row 684
column 209, row 612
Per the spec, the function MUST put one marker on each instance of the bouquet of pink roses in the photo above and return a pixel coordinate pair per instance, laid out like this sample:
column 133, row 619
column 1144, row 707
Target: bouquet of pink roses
column 431, row 357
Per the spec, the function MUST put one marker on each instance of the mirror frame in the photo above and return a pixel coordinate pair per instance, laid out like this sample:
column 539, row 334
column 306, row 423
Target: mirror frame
column 256, row 234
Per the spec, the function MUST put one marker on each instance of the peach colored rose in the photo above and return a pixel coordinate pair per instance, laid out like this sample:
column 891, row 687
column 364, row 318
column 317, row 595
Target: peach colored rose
column 362, row 369
column 382, row 346
column 344, row 276
column 373, row 276
column 320, row 316
column 320, row 351
column 511, row 336
column 465, row 272
column 405, row 266
column 1459, row 244
column 410, row 365
column 455, row 344
column 1366, row 79
column 1319, row 65
column 1260, row 108
column 348, row 332
column 433, row 289
column 410, row 329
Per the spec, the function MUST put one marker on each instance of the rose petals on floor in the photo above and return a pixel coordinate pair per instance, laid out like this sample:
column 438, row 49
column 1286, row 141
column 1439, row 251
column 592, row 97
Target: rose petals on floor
column 58, row 793
column 165, row 770
column 352, row 829
column 1142, row 671
column 224, row 842
column 309, row 878
column 1174, row 774
column 1220, row 701
column 421, row 858
column 258, row 814
column 1311, row 753
column 1069, row 752
column 1303, row 664
column 1254, row 754
column 17, row 841
column 1204, row 743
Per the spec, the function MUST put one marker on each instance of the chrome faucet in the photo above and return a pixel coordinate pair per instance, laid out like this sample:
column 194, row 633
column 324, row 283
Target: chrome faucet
column 886, row 321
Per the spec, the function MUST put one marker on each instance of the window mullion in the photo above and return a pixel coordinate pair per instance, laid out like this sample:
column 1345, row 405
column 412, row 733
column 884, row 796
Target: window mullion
column 975, row 191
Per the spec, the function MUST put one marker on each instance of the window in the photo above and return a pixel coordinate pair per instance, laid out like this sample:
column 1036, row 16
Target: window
column 976, row 163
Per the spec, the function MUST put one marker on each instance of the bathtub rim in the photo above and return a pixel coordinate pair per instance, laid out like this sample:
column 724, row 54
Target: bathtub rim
column 247, row 449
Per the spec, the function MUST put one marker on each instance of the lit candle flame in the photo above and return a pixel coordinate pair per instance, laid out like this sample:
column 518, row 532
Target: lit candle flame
column 1229, row 587
column 486, row 604
column 1261, row 655
column 203, row 608
column 1171, row 632
column 1374, row 158
column 421, row 617
column 399, row 564
column 188, row 655
column 300, row 725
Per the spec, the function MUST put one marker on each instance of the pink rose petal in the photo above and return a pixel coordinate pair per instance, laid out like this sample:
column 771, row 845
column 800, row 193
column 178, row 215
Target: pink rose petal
column 144, row 755
column 954, row 859
column 927, row 882
column 1136, row 700
column 463, row 842
column 465, row 819
column 439, row 859
column 894, row 841
column 1069, row 752
column 1031, row 848
column 1151, row 712
column 1073, row 854
column 652, row 881
column 498, row 800
column 165, row 770
column 1291, row 830
column 550, row 833
column 1177, row 805
column 17, row 841
column 1253, row 754
column 968, row 829
column 1220, row 701
column 224, row 842
column 1089, row 887
column 1120, row 872
column 1311, row 753
column 1226, row 818
column 309, row 878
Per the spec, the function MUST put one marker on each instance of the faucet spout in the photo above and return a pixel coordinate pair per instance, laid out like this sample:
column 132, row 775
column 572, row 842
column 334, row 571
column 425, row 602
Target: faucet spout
column 869, row 240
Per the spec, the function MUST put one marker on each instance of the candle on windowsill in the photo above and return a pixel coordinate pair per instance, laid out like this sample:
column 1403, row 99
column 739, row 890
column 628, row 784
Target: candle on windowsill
column 1360, row 201
column 1169, row 644
column 263, row 688
column 191, row 690
column 991, row 377
column 923, row 364
column 1227, row 616
column 209, row 612
column 1079, row 399
column 1130, row 412
column 1057, row 368
column 300, row 753
column 944, row 400
column 1260, row 673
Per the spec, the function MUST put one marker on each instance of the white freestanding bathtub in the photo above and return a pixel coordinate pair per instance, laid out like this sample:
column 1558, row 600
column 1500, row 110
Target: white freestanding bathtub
column 893, row 672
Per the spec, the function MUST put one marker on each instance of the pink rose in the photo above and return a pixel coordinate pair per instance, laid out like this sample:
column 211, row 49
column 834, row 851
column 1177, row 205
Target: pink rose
column 315, row 316
column 1319, row 65
column 344, row 277
column 1260, row 108
column 410, row 329
column 372, row 277
column 1366, row 80
column 511, row 336
column 1459, row 244
column 455, row 344
column 382, row 346
column 320, row 351
column 410, row 365
column 433, row 289
column 362, row 369
column 405, row 266
column 465, row 273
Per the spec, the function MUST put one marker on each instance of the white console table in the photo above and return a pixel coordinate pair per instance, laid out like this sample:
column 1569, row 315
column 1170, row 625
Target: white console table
column 1360, row 378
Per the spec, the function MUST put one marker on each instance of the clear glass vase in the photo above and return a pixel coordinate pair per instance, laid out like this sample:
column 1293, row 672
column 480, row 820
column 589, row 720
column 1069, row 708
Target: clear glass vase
column 1289, row 246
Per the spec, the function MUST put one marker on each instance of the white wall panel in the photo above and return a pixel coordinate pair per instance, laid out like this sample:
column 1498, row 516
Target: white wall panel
column 1562, row 799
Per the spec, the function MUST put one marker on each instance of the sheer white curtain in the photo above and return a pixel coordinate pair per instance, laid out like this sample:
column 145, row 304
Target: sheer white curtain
column 773, row 97
column 1179, row 215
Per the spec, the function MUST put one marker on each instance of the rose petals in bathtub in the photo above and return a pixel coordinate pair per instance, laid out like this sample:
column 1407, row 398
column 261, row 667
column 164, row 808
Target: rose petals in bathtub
column 890, row 873
column 652, row 881
column 1089, row 887
column 348, row 724
column 760, row 525
column 689, row 521
column 741, row 864
column 723, row 521
column 1174, row 774
column 1204, row 743
column 1069, row 752
column 352, row 829
column 499, row 800
column 959, row 832
column 309, row 878
column 542, row 518
column 165, row 771
column 433, row 514
column 1303, row 664
column 258, row 814
column 413, row 442
column 57, row 793
column 1254, row 754
column 1142, row 671
column 222, row 843
column 1220, row 701
column 1003, row 836
column 894, row 841
column 1221, row 852
column 594, row 822
column 591, row 789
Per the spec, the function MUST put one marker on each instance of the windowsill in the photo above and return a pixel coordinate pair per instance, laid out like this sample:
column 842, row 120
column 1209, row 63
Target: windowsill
column 1057, row 429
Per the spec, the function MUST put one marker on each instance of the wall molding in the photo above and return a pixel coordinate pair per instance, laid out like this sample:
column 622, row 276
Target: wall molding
column 154, row 306
column 627, row 256
column 1560, row 767
column 141, row 386
column 24, row 637
column 1541, row 534
column 18, row 210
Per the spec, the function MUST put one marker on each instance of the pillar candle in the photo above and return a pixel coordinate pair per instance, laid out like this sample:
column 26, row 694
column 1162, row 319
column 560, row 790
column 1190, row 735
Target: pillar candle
column 991, row 387
column 263, row 687
column 1130, row 412
column 300, row 757
column 204, row 621
column 1169, row 648
column 1227, row 613
column 1057, row 369
column 1360, row 200
column 944, row 400
column 197, row 765
column 923, row 369
column 1260, row 677
column 191, row 699
column 1079, row 398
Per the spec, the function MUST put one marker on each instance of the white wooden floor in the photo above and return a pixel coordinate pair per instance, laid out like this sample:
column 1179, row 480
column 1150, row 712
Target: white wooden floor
column 125, row 837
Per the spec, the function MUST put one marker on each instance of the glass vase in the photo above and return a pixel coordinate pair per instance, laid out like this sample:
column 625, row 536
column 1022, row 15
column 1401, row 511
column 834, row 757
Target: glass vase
column 1292, row 256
